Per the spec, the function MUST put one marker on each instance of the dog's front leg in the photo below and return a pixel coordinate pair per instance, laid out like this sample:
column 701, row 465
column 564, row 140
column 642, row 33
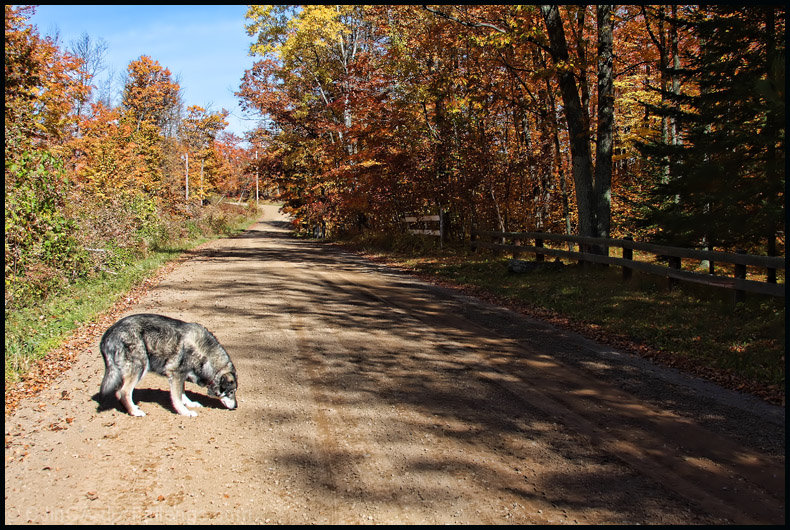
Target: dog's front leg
column 177, row 396
column 189, row 403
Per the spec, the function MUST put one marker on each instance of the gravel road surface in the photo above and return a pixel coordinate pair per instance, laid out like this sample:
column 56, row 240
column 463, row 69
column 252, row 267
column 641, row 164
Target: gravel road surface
column 368, row 396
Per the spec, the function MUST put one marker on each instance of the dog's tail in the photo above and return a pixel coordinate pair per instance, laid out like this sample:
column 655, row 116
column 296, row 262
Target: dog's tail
column 111, row 381
column 112, row 376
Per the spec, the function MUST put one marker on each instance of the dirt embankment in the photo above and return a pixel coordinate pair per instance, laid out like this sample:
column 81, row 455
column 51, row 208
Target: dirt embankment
column 367, row 396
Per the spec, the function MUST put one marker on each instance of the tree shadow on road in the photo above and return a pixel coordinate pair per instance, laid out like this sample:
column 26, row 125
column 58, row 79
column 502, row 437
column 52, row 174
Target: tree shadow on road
column 468, row 399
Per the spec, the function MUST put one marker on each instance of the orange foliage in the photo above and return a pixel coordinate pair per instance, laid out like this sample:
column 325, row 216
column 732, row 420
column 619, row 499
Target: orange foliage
column 39, row 89
column 111, row 177
column 378, row 112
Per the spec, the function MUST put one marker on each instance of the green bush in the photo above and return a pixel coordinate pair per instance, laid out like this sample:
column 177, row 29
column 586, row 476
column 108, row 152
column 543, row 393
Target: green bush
column 120, row 259
column 147, row 220
column 41, row 251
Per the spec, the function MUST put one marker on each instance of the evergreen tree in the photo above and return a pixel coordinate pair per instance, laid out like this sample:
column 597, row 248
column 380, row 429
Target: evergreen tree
column 725, row 185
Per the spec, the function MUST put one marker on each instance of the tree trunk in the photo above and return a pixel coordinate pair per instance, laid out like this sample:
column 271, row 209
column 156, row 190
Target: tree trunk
column 578, row 128
column 553, row 121
column 773, row 125
column 603, row 158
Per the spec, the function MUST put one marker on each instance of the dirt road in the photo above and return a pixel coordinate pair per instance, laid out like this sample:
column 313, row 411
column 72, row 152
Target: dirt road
column 367, row 396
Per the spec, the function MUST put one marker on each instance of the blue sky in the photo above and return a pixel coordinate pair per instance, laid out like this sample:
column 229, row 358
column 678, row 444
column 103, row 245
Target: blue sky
column 205, row 46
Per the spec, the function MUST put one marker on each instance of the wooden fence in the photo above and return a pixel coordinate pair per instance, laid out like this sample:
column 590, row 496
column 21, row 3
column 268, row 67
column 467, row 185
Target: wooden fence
column 674, row 255
column 426, row 222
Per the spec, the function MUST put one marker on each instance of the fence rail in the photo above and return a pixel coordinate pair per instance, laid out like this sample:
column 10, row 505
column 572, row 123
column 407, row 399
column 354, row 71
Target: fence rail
column 673, row 272
column 424, row 221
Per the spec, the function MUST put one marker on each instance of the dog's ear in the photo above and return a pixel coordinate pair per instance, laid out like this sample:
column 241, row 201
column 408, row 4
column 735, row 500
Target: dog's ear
column 227, row 384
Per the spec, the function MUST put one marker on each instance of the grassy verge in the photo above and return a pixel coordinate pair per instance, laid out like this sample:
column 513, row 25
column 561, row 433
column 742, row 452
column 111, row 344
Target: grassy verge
column 33, row 331
column 692, row 327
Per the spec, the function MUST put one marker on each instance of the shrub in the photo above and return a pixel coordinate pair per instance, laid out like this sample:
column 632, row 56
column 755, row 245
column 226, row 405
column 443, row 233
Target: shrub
column 41, row 251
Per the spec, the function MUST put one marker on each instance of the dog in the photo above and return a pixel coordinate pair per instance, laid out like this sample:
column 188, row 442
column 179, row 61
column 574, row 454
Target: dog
column 178, row 350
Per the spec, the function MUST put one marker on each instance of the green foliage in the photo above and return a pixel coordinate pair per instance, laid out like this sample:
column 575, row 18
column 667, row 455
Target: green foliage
column 33, row 330
column 725, row 182
column 146, row 217
column 41, row 251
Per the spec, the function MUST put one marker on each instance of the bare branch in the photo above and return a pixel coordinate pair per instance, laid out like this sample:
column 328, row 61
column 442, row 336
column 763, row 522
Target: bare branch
column 463, row 22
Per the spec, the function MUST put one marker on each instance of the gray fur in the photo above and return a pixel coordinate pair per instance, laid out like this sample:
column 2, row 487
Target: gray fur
column 177, row 350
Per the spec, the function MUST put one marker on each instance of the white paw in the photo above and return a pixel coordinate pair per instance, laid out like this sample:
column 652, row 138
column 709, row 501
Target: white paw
column 189, row 403
column 137, row 412
column 187, row 412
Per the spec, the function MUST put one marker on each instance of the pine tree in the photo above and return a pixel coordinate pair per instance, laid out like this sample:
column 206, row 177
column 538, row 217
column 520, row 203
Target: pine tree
column 725, row 185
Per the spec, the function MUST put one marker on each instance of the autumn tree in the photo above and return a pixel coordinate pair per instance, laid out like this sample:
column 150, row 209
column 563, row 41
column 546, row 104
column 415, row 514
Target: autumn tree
column 90, row 186
column 235, row 173
column 512, row 40
column 150, row 96
column 104, row 156
column 39, row 89
column 199, row 131
column 303, row 85
column 91, row 56
column 593, row 184
column 40, row 249
column 484, row 111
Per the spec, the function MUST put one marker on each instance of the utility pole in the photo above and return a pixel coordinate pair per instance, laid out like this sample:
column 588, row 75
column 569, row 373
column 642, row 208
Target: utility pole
column 186, row 158
column 256, row 177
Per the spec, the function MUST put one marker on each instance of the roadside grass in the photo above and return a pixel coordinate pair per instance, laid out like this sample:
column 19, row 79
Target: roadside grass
column 692, row 327
column 31, row 332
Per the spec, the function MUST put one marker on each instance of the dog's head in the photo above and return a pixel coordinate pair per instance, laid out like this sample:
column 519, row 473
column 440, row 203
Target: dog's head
column 224, row 388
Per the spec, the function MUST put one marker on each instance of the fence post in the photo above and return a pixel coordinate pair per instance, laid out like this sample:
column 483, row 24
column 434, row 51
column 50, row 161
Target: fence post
column 517, row 243
column 539, row 256
column 473, row 239
column 740, row 273
column 628, row 253
column 441, row 228
column 674, row 263
column 770, row 275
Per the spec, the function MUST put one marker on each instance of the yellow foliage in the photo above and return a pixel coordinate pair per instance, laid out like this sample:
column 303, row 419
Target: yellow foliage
column 288, row 33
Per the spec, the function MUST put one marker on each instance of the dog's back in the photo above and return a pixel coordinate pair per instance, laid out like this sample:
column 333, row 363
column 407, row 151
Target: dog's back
column 136, row 344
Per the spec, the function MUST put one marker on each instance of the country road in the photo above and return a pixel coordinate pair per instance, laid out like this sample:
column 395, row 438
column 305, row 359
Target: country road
column 367, row 396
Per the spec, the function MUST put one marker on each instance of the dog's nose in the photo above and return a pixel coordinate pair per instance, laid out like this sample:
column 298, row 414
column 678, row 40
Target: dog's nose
column 229, row 402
